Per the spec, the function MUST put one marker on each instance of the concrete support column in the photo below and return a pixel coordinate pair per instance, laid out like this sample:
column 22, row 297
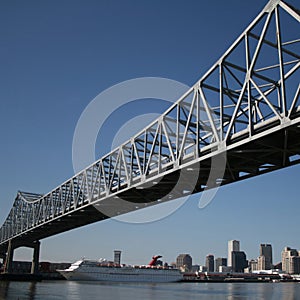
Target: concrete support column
column 9, row 258
column 36, row 257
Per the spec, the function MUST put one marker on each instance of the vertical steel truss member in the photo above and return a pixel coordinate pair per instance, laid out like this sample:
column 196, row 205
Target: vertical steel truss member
column 246, row 105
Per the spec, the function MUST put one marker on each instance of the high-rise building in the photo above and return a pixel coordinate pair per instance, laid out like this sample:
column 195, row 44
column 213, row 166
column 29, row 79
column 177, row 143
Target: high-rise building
column 184, row 261
column 288, row 262
column 233, row 245
column 265, row 251
column 117, row 257
column 210, row 263
column 294, row 265
column 261, row 263
column 220, row 262
column 253, row 265
column 239, row 261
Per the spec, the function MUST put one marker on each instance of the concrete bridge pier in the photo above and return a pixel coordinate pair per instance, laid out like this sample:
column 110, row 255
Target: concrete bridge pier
column 8, row 259
column 36, row 257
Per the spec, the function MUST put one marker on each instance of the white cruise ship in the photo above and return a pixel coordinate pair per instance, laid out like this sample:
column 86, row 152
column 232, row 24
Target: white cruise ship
column 103, row 270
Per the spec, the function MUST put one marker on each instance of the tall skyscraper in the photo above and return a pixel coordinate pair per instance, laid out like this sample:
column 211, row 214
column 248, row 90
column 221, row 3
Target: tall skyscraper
column 210, row 263
column 239, row 261
column 117, row 257
column 184, row 260
column 233, row 245
column 265, row 257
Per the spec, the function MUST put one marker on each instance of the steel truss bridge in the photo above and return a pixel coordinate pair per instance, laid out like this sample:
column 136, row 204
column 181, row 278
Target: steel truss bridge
column 240, row 120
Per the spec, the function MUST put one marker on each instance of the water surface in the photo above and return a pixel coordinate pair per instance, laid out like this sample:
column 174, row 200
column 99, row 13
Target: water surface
column 65, row 290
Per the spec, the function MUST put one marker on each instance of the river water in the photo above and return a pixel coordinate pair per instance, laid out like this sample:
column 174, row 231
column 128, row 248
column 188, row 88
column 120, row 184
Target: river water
column 171, row 291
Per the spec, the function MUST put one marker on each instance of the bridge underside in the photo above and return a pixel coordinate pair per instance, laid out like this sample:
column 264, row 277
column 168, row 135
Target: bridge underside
column 76, row 219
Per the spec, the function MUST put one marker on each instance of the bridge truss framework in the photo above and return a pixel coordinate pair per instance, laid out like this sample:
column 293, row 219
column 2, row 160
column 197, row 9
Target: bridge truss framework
column 241, row 119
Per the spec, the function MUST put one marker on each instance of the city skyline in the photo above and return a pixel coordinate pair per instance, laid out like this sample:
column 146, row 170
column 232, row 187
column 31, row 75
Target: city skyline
column 240, row 262
column 55, row 61
column 211, row 262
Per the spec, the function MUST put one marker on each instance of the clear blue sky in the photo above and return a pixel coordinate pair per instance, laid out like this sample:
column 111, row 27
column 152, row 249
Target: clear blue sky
column 56, row 56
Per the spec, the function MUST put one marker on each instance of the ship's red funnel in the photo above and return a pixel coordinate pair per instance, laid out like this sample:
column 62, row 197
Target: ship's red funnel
column 154, row 260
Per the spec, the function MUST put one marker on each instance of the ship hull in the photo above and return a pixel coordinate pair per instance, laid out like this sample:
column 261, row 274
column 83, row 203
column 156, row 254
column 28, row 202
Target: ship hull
column 123, row 275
